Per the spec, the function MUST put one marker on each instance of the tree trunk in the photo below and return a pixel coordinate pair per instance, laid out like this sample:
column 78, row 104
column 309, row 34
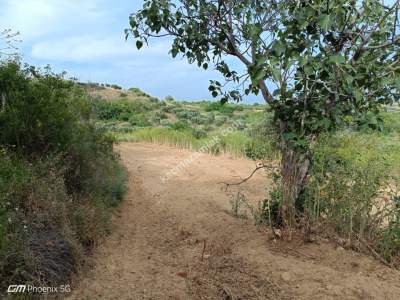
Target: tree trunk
column 3, row 102
column 295, row 166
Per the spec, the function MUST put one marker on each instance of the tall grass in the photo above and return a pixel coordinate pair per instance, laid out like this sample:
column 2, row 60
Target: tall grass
column 236, row 143
column 165, row 136
column 352, row 190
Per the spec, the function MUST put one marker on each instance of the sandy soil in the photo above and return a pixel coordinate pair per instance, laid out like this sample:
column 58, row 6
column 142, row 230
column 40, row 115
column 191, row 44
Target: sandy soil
column 178, row 240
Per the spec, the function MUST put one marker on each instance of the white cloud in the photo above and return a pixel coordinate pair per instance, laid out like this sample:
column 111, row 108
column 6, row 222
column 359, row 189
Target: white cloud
column 37, row 18
column 80, row 49
column 87, row 48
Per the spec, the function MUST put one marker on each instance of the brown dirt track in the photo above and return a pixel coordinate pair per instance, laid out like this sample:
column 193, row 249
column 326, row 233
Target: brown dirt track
column 179, row 240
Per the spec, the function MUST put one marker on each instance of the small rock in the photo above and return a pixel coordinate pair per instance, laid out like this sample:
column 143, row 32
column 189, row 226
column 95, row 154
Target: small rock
column 286, row 276
column 339, row 248
column 182, row 274
column 277, row 233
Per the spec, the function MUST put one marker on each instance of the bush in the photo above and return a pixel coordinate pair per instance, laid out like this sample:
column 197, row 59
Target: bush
column 227, row 109
column 199, row 120
column 58, row 177
column 257, row 150
column 139, row 92
column 139, row 120
column 345, row 191
column 183, row 114
column 199, row 134
column 118, row 110
column 219, row 121
column 115, row 86
column 180, row 126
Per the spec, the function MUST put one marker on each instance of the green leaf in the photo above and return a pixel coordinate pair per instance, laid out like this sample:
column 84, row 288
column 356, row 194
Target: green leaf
column 278, row 48
column 337, row 59
column 139, row 44
column 259, row 74
column 276, row 74
column 324, row 22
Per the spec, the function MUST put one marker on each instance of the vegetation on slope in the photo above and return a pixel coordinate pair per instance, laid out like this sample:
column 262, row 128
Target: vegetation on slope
column 59, row 177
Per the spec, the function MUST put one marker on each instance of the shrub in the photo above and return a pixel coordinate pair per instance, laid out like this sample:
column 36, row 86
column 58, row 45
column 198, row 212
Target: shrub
column 118, row 110
column 219, row 121
column 183, row 114
column 139, row 120
column 210, row 118
column 115, row 86
column 180, row 126
column 345, row 190
column 139, row 92
column 54, row 165
column 199, row 134
column 165, row 123
column 227, row 109
column 257, row 150
column 199, row 120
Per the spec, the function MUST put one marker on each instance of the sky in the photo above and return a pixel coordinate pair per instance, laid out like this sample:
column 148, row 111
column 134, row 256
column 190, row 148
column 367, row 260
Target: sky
column 86, row 39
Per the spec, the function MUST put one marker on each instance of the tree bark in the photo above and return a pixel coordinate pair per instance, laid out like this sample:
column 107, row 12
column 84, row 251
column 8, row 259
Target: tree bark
column 295, row 166
column 3, row 102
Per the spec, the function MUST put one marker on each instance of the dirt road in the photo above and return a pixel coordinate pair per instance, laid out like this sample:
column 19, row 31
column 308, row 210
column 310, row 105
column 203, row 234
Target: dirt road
column 178, row 240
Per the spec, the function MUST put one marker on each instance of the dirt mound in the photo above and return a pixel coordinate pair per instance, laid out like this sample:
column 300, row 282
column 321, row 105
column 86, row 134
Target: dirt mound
column 177, row 239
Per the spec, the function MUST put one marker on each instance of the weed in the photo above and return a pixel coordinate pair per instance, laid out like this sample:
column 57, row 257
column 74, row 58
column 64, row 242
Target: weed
column 237, row 201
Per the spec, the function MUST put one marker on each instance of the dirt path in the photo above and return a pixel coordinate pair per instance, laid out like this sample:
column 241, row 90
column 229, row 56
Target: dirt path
column 156, row 248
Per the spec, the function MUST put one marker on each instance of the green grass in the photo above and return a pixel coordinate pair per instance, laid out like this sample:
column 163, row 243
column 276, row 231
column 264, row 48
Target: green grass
column 182, row 139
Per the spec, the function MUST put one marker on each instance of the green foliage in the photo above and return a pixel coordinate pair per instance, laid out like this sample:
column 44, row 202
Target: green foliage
column 35, row 118
column 256, row 150
column 139, row 120
column 199, row 134
column 138, row 92
column 118, row 110
column 180, row 126
column 54, row 164
column 345, row 190
column 219, row 107
column 169, row 99
column 115, row 86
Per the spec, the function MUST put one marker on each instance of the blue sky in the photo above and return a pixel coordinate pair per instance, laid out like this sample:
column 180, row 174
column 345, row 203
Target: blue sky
column 86, row 39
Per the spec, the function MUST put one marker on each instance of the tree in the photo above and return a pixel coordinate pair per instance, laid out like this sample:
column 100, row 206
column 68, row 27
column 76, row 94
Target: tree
column 317, row 63
column 7, row 42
